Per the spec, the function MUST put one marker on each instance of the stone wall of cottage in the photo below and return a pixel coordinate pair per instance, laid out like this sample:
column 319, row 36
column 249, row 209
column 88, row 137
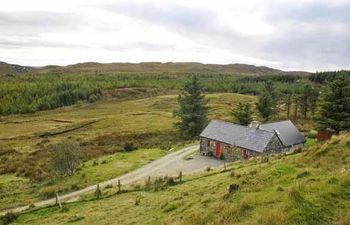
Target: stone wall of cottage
column 230, row 152
column 274, row 146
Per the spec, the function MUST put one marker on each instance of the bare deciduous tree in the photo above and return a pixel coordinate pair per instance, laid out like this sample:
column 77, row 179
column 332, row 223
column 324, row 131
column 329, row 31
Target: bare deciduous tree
column 65, row 157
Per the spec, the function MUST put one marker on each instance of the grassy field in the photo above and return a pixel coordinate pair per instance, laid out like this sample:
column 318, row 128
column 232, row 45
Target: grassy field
column 102, row 128
column 109, row 116
column 16, row 191
column 311, row 187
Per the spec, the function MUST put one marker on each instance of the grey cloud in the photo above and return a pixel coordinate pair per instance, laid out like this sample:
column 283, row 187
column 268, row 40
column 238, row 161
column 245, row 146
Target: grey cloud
column 29, row 42
column 195, row 22
column 140, row 45
column 312, row 35
column 324, row 11
column 176, row 15
column 33, row 23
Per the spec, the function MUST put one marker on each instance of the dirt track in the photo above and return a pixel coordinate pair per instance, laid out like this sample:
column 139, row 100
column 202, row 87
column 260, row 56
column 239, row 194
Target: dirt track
column 170, row 164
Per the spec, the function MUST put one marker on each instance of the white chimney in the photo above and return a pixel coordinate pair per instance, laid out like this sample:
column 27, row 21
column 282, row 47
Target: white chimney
column 254, row 124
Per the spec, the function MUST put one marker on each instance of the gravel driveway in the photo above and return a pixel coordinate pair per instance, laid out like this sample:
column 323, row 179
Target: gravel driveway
column 170, row 165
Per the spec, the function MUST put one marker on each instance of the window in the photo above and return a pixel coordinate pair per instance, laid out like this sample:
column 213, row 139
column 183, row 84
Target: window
column 208, row 142
column 245, row 154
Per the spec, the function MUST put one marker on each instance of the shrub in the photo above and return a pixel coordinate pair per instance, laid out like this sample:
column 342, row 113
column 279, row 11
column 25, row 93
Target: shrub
column 109, row 186
column 279, row 188
column 232, row 188
column 48, row 194
column 222, row 156
column 74, row 187
column 8, row 218
column 207, row 169
column 170, row 181
column 303, row 174
column 129, row 147
column 333, row 180
column 264, row 159
column 312, row 134
column 137, row 201
column 65, row 157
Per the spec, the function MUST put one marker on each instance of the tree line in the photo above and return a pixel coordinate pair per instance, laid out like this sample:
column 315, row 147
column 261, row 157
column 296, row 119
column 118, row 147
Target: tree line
column 32, row 97
column 328, row 106
column 34, row 92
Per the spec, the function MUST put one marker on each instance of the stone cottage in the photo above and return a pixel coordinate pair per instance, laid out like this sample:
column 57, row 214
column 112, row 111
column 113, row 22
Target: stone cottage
column 234, row 142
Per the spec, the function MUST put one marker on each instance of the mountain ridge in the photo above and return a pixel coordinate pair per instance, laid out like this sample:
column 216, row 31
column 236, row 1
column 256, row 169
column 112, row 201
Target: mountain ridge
column 149, row 67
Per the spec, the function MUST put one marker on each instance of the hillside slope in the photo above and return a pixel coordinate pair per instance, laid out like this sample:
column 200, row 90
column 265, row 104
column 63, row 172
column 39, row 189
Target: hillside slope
column 184, row 67
column 312, row 187
column 149, row 67
column 6, row 68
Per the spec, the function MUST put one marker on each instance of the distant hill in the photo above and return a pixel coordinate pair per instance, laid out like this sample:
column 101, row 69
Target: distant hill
column 6, row 68
column 244, row 69
column 150, row 67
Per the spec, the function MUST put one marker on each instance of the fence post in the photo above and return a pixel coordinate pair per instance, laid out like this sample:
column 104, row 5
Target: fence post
column 98, row 191
column 119, row 185
column 180, row 176
column 58, row 201
column 224, row 166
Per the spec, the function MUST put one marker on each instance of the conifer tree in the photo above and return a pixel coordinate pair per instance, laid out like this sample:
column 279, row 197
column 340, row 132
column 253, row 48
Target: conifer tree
column 243, row 112
column 334, row 105
column 266, row 104
column 193, row 110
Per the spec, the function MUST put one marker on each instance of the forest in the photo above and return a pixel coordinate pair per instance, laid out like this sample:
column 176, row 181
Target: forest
column 29, row 93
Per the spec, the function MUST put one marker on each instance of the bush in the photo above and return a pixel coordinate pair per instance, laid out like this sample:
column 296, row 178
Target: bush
column 264, row 159
column 312, row 134
column 303, row 174
column 170, row 181
column 74, row 187
column 233, row 188
column 222, row 156
column 129, row 147
column 279, row 188
column 65, row 157
column 8, row 218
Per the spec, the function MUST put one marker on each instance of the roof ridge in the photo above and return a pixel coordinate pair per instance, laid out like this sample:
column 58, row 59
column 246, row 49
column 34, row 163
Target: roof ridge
column 239, row 125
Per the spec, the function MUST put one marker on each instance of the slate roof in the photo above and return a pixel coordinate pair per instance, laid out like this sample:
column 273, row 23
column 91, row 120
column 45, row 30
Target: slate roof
column 286, row 131
column 240, row 136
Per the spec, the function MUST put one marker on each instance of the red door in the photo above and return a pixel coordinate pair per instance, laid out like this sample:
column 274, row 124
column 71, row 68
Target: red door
column 217, row 150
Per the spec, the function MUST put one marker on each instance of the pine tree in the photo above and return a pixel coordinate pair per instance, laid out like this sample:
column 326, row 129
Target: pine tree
column 334, row 105
column 266, row 102
column 287, row 100
column 243, row 112
column 193, row 110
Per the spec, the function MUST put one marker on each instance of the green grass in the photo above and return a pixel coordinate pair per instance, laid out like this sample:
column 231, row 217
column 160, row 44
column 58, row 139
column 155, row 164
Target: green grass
column 310, row 142
column 19, row 191
column 114, row 117
column 270, row 192
column 147, row 122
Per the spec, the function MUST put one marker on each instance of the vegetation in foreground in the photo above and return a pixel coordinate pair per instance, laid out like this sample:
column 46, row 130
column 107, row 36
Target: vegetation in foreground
column 311, row 187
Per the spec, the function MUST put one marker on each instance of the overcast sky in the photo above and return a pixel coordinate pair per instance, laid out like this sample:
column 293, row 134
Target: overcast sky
column 290, row 34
